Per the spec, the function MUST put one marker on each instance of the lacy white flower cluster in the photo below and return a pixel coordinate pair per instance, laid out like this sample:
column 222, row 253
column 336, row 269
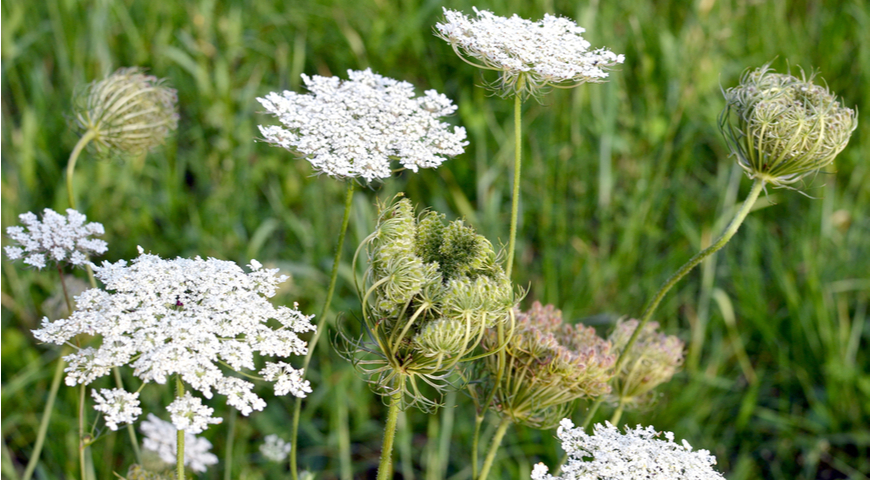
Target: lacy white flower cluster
column 56, row 238
column 636, row 455
column 185, row 317
column 161, row 437
column 353, row 128
column 551, row 51
column 117, row 406
column 274, row 448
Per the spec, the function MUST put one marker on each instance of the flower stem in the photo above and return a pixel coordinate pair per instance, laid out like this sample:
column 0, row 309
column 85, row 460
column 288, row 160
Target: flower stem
column 69, row 308
column 179, row 451
column 321, row 325
column 618, row 413
column 231, row 437
column 46, row 417
column 82, row 432
column 478, row 421
column 515, row 201
column 729, row 232
column 493, row 447
column 119, row 382
column 71, row 165
column 385, row 466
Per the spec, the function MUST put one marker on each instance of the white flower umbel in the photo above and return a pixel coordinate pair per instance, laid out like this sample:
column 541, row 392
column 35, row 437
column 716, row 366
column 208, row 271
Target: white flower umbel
column 287, row 379
column 57, row 238
column 529, row 55
column 636, row 455
column 161, row 438
column 354, row 128
column 183, row 317
column 117, row 406
column 274, row 448
column 189, row 414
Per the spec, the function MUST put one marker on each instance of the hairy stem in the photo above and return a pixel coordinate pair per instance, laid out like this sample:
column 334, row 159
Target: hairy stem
column 493, row 447
column 385, row 466
column 515, row 201
column 321, row 326
column 720, row 242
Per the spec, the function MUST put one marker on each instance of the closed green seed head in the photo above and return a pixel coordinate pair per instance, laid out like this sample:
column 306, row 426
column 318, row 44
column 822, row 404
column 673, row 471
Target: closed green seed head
column 128, row 112
column 782, row 128
column 445, row 337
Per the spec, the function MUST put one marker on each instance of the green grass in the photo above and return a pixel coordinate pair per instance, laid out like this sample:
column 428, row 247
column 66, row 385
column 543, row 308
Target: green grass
column 622, row 183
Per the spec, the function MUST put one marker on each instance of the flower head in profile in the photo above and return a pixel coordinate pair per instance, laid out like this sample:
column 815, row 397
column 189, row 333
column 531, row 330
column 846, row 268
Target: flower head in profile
column 274, row 448
column 638, row 454
column 127, row 113
column 354, row 128
column 550, row 364
column 652, row 360
column 57, row 238
column 783, row 128
column 161, row 437
column 185, row 317
column 529, row 55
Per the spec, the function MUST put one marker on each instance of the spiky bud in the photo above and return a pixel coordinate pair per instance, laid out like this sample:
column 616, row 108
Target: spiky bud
column 652, row 360
column 782, row 128
column 128, row 112
column 549, row 365
column 430, row 292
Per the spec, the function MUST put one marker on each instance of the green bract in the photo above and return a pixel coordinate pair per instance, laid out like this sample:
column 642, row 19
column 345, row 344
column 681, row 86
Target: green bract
column 430, row 292
column 783, row 128
column 549, row 364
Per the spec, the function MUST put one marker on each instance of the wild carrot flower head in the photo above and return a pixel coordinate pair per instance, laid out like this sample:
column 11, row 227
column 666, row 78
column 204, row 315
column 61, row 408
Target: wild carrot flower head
column 430, row 291
column 783, row 128
column 161, row 438
column 550, row 364
column 57, row 238
column 652, row 360
column 529, row 55
column 274, row 448
column 637, row 454
column 185, row 317
column 354, row 128
column 128, row 112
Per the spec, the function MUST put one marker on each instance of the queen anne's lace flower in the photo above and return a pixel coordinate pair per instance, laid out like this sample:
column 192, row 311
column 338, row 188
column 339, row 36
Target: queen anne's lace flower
column 353, row 128
column 274, row 448
column 161, row 437
column 189, row 414
column 117, row 405
column 287, row 379
column 530, row 55
column 636, row 455
column 56, row 238
column 183, row 317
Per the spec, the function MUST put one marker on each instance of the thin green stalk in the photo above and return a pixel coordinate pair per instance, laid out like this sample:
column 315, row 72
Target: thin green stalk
column 82, row 432
column 493, row 447
column 723, row 239
column 228, row 453
column 385, row 466
column 515, row 200
column 618, row 413
column 321, row 326
column 179, row 451
column 46, row 417
column 475, row 443
column 130, row 430
column 71, row 165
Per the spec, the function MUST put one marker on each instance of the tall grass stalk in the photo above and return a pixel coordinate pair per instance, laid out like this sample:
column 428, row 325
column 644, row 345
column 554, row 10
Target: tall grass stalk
column 321, row 325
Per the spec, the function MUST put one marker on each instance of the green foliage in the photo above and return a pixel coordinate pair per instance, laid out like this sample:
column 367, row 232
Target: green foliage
column 624, row 181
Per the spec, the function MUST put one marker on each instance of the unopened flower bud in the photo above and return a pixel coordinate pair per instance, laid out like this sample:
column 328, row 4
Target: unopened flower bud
column 782, row 128
column 128, row 112
column 444, row 337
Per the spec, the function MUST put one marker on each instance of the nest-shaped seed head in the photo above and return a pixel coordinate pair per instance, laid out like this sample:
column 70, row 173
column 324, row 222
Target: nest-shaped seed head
column 652, row 360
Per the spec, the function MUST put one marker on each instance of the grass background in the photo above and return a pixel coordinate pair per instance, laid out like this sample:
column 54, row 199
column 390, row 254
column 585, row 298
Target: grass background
column 622, row 182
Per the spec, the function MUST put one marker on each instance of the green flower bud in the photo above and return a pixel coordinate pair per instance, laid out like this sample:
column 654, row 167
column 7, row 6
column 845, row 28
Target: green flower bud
column 444, row 337
column 652, row 360
column 128, row 112
column 782, row 128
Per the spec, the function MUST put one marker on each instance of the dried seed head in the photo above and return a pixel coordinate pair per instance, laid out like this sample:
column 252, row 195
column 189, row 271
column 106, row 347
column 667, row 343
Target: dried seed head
column 783, row 128
column 652, row 360
column 550, row 364
column 128, row 112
